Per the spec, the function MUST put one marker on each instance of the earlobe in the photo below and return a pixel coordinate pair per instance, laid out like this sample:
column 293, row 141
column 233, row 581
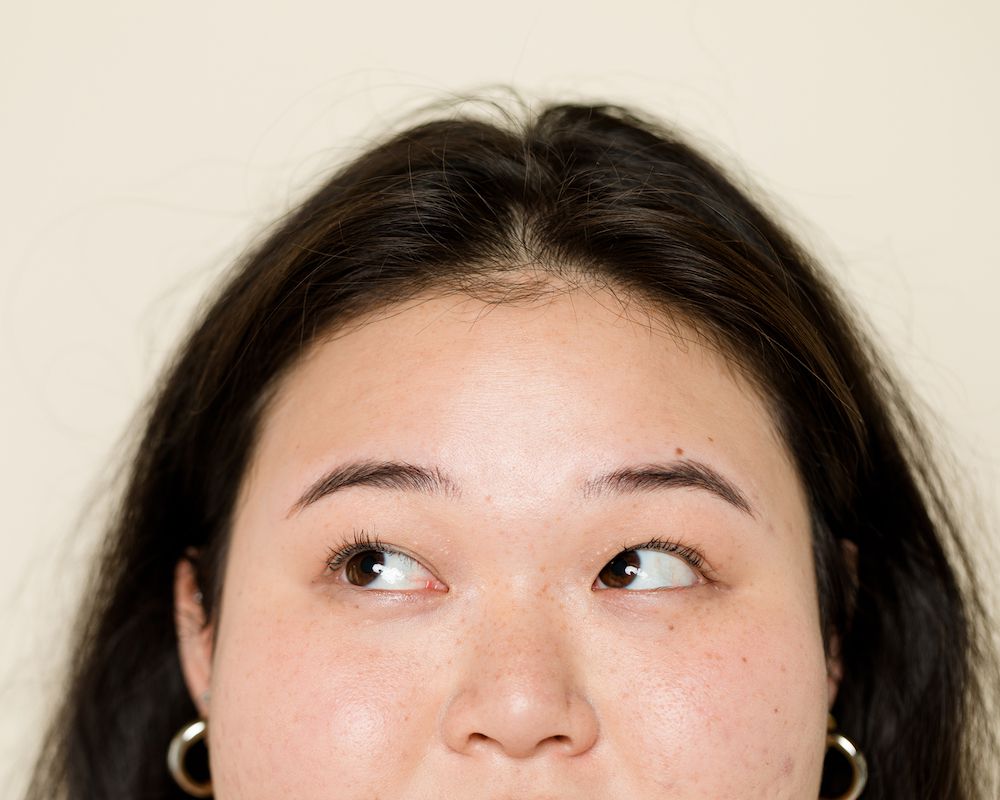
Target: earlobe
column 194, row 636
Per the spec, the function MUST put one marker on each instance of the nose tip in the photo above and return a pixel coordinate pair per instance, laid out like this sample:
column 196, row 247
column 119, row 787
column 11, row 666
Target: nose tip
column 520, row 724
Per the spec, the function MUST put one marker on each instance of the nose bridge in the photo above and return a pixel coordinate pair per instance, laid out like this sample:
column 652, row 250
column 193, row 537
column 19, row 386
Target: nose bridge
column 520, row 689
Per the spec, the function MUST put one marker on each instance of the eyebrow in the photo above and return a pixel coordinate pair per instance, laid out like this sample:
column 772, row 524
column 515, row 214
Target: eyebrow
column 400, row 476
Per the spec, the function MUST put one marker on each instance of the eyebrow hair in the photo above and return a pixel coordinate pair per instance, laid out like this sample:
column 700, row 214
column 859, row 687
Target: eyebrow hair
column 687, row 473
column 390, row 475
column 404, row 477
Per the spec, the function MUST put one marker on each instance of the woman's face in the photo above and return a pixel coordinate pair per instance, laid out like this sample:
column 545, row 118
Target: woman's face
column 506, row 647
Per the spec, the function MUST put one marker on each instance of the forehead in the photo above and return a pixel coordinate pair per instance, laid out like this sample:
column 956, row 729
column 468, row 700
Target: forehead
column 521, row 400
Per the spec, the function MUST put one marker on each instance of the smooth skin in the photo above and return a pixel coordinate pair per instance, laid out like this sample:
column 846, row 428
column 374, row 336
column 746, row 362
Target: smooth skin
column 503, row 668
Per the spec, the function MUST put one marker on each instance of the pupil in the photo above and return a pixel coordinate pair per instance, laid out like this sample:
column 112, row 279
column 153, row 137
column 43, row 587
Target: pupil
column 359, row 567
column 614, row 575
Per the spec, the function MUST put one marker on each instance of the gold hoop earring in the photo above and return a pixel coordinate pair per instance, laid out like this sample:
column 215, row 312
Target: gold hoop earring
column 190, row 734
column 847, row 748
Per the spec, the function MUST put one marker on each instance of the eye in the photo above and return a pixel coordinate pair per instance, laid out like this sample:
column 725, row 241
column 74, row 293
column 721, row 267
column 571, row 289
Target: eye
column 366, row 563
column 654, row 565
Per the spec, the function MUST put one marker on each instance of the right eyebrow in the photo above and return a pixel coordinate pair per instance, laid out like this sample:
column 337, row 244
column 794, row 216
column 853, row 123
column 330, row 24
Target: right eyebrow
column 405, row 477
column 397, row 476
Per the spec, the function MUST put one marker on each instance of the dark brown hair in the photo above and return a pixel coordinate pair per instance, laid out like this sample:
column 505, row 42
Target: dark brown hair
column 595, row 195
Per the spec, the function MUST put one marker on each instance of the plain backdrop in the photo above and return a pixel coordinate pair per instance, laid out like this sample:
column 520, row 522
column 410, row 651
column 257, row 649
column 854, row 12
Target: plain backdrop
column 145, row 143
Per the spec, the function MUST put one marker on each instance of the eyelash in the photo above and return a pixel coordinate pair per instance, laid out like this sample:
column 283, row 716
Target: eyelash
column 363, row 541
column 689, row 554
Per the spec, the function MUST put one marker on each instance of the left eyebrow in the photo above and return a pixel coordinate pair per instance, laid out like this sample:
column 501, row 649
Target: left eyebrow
column 401, row 476
column 689, row 473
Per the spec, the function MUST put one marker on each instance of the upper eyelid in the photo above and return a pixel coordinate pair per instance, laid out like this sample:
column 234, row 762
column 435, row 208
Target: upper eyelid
column 689, row 556
column 339, row 555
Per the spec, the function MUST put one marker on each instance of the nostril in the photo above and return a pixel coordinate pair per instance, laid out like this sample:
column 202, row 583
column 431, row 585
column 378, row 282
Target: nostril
column 478, row 737
column 551, row 741
column 560, row 741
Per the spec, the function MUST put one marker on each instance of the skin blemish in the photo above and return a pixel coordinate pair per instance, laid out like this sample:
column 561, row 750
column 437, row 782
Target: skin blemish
column 679, row 451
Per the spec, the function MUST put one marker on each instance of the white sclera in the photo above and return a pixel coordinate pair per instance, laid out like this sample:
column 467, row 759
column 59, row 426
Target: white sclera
column 658, row 570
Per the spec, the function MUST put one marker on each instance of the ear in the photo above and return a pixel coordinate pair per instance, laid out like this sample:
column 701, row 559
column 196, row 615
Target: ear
column 835, row 664
column 194, row 636
column 834, row 671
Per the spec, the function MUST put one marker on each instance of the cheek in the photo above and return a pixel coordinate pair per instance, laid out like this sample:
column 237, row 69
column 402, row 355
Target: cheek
column 725, row 699
column 304, row 708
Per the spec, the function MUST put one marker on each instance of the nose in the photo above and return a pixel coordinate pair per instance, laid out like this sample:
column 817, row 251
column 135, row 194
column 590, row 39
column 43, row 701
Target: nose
column 518, row 691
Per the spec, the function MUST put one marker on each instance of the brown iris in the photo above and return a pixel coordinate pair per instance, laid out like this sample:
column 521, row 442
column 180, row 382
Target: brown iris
column 359, row 568
column 621, row 570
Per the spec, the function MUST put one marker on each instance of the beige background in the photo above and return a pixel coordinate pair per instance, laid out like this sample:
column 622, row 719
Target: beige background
column 143, row 142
